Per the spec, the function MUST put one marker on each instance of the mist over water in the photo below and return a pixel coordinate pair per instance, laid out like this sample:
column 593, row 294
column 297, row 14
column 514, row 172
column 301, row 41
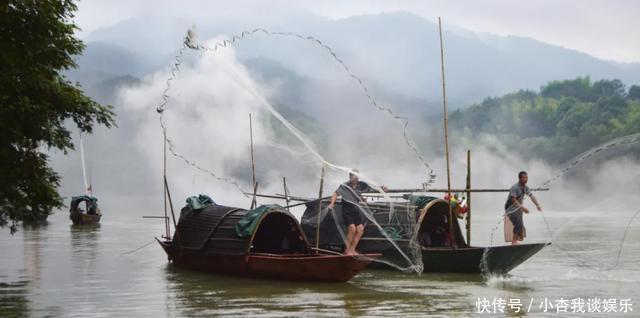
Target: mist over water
column 58, row 270
column 207, row 119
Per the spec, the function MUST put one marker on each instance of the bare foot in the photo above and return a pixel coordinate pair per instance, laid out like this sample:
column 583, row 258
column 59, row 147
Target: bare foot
column 514, row 243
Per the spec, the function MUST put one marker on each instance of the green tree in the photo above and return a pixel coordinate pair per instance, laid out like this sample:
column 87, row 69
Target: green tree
column 609, row 88
column 579, row 88
column 36, row 101
column 565, row 118
column 634, row 93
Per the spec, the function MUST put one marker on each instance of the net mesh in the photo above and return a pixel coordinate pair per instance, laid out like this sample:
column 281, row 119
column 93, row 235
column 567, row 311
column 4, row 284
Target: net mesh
column 390, row 225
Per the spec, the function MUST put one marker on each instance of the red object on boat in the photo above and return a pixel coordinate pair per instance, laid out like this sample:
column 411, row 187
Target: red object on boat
column 207, row 240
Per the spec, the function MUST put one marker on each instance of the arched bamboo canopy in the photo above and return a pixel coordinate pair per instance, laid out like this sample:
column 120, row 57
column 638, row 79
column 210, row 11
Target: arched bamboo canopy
column 214, row 230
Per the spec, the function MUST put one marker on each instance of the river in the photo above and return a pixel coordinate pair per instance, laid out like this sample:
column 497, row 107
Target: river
column 57, row 270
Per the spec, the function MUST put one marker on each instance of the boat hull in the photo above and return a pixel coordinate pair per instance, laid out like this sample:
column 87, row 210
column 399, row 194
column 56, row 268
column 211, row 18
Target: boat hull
column 309, row 267
column 498, row 259
column 85, row 219
column 474, row 259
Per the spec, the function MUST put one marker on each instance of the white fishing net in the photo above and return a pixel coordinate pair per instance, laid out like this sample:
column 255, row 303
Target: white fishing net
column 390, row 224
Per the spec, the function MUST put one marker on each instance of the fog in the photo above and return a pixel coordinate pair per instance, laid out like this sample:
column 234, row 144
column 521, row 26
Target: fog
column 207, row 113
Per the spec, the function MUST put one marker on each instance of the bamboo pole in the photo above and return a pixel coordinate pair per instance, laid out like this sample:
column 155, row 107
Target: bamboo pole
column 253, row 164
column 254, row 203
column 279, row 196
column 452, row 190
column 446, row 137
column 173, row 216
column 468, row 198
column 286, row 193
column 319, row 208
column 305, row 202
column 164, row 174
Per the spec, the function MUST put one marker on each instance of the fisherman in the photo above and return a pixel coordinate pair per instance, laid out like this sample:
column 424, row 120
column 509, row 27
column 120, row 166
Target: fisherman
column 351, row 192
column 514, row 208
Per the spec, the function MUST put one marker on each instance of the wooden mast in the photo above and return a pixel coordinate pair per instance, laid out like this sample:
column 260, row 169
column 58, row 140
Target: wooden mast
column 253, row 165
column 446, row 138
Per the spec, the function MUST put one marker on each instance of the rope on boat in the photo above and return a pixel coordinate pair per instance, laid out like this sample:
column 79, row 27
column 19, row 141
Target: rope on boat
column 137, row 249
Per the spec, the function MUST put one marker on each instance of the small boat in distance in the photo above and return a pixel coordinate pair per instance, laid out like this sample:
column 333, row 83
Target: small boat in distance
column 91, row 213
column 266, row 242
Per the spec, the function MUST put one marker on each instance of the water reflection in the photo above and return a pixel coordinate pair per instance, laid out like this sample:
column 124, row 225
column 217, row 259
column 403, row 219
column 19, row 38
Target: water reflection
column 32, row 239
column 206, row 294
column 14, row 291
column 14, row 301
column 84, row 239
column 371, row 293
column 64, row 271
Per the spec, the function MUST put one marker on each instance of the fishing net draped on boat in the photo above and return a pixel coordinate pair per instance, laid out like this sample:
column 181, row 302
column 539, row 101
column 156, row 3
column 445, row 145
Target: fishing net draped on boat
column 390, row 225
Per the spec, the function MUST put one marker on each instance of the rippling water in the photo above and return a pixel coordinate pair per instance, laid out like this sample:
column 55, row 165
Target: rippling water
column 58, row 270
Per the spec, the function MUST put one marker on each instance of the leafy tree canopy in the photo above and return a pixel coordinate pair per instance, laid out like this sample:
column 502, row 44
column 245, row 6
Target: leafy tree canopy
column 564, row 119
column 38, row 45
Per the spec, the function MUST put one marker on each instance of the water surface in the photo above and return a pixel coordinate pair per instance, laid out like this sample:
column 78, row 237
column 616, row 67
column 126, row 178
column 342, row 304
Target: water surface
column 58, row 270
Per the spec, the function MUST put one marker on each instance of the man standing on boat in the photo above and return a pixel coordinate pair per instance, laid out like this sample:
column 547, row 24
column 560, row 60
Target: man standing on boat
column 351, row 193
column 514, row 208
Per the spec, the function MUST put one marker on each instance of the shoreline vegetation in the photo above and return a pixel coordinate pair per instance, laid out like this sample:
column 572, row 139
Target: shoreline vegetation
column 556, row 123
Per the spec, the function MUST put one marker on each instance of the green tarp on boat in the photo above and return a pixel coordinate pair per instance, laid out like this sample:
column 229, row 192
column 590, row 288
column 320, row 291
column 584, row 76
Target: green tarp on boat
column 199, row 202
column 194, row 204
column 247, row 225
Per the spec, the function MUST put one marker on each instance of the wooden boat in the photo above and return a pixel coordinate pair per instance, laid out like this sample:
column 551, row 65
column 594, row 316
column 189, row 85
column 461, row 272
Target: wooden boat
column 273, row 247
column 89, row 215
column 437, row 256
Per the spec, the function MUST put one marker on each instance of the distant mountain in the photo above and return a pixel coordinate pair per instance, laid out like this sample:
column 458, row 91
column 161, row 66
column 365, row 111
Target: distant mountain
column 395, row 51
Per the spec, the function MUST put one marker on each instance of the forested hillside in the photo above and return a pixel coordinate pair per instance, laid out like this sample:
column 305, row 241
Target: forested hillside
column 560, row 121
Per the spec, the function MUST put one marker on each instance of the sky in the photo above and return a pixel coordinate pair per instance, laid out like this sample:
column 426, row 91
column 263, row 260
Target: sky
column 604, row 29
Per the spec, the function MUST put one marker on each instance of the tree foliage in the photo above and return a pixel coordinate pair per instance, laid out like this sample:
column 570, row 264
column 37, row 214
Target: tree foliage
column 38, row 45
column 557, row 123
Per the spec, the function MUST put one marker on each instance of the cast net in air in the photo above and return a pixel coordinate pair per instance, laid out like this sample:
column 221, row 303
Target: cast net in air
column 389, row 222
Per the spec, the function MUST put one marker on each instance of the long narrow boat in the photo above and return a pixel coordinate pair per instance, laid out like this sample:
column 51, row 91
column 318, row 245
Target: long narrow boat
column 266, row 242
column 437, row 256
